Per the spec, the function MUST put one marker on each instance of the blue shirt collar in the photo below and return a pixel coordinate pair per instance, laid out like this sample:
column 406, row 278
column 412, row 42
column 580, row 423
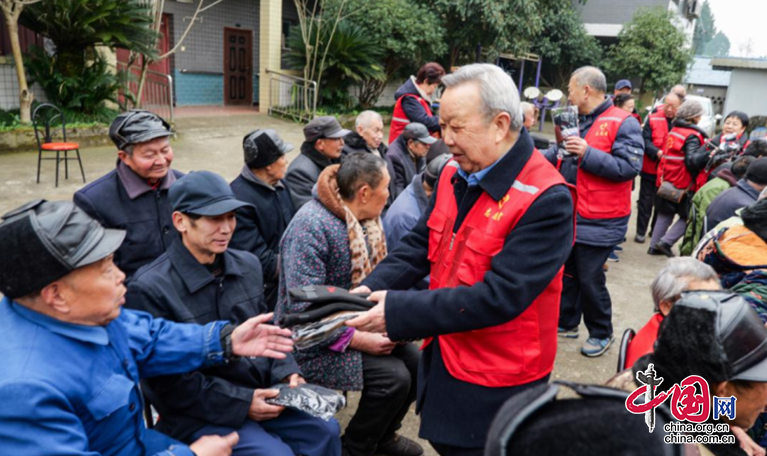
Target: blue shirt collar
column 93, row 334
column 474, row 178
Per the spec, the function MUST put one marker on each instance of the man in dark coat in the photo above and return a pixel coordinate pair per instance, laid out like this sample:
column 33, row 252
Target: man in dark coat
column 324, row 141
column 743, row 194
column 368, row 135
column 407, row 156
column 368, row 138
column 602, row 168
column 134, row 196
column 514, row 258
column 260, row 184
column 199, row 280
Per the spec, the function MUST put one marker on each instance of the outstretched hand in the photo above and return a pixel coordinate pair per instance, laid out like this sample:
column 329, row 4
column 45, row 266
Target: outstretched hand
column 374, row 320
column 256, row 338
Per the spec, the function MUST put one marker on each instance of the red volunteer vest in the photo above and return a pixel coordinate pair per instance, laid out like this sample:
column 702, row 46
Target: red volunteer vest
column 600, row 198
column 672, row 168
column 399, row 120
column 515, row 352
column 659, row 128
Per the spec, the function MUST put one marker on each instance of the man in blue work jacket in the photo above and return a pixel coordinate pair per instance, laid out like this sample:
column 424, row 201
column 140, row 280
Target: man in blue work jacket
column 134, row 196
column 200, row 280
column 72, row 359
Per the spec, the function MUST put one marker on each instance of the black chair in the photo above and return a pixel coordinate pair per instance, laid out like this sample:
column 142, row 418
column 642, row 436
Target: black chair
column 45, row 117
column 628, row 336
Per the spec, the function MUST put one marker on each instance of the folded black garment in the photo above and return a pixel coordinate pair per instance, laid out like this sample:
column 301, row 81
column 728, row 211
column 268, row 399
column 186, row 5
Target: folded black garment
column 318, row 313
column 324, row 294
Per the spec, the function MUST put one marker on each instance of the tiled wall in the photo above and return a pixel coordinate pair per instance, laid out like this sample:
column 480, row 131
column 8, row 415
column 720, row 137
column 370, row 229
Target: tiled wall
column 9, row 88
column 199, row 67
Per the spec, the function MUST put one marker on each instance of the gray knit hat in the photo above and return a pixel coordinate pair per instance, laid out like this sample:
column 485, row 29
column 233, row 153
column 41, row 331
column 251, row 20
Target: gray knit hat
column 690, row 109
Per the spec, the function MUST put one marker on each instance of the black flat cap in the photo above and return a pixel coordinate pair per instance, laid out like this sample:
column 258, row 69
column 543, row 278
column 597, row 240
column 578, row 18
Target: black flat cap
column 44, row 241
column 135, row 127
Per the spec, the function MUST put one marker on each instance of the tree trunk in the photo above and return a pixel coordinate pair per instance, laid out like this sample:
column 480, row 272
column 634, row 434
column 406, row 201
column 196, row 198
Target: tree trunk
column 25, row 95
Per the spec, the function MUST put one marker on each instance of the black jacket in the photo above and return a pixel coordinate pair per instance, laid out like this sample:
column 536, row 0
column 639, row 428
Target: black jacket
column 259, row 232
column 353, row 142
column 404, row 167
column 146, row 217
column 695, row 156
column 649, row 147
column 413, row 109
column 177, row 287
column 303, row 173
column 455, row 412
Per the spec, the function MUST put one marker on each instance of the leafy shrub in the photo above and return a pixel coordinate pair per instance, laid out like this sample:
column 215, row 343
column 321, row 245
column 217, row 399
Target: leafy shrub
column 83, row 92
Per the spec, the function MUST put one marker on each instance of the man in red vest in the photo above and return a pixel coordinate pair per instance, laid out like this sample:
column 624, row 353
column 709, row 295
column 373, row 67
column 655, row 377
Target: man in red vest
column 654, row 133
column 609, row 156
column 494, row 240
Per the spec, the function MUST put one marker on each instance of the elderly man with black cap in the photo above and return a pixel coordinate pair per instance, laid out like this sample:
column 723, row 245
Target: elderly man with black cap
column 717, row 336
column 407, row 156
column 72, row 358
column 324, row 142
column 260, row 184
column 199, row 279
column 134, row 196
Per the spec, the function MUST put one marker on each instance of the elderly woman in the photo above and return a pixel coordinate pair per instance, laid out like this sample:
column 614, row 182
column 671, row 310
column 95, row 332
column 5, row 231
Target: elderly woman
column 680, row 164
column 337, row 239
column 679, row 275
column 625, row 101
column 717, row 336
column 736, row 124
column 414, row 101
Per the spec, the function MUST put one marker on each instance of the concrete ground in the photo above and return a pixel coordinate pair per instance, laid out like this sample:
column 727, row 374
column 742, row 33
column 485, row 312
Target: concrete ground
column 215, row 144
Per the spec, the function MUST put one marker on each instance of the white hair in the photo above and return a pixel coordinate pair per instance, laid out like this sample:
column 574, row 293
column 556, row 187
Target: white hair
column 497, row 90
column 592, row 77
column 366, row 117
column 676, row 276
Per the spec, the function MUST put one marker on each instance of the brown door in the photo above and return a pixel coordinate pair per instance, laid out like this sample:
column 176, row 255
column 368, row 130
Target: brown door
column 238, row 67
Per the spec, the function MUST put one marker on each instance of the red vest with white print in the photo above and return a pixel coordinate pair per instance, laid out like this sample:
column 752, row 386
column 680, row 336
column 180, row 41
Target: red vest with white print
column 659, row 128
column 399, row 119
column 511, row 353
column 600, row 198
column 672, row 167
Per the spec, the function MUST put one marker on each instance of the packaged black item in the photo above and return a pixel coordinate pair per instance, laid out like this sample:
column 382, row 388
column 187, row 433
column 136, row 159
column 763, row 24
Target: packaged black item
column 565, row 125
column 313, row 399
column 311, row 334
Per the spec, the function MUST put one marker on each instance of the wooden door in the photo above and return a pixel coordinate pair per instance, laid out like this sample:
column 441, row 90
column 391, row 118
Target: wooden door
column 238, row 67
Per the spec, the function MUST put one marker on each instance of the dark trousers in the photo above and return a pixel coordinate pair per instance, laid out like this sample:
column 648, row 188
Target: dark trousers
column 645, row 203
column 448, row 450
column 584, row 291
column 389, row 389
column 291, row 433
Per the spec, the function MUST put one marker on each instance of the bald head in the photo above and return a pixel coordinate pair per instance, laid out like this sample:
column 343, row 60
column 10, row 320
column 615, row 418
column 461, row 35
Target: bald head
column 680, row 91
column 528, row 111
column 671, row 104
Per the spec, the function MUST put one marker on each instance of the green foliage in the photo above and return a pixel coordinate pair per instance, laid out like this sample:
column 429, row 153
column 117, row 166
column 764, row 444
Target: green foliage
column 564, row 44
column 719, row 46
column 497, row 25
column 75, row 26
column 407, row 34
column 84, row 92
column 10, row 121
column 707, row 40
column 352, row 57
column 651, row 48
